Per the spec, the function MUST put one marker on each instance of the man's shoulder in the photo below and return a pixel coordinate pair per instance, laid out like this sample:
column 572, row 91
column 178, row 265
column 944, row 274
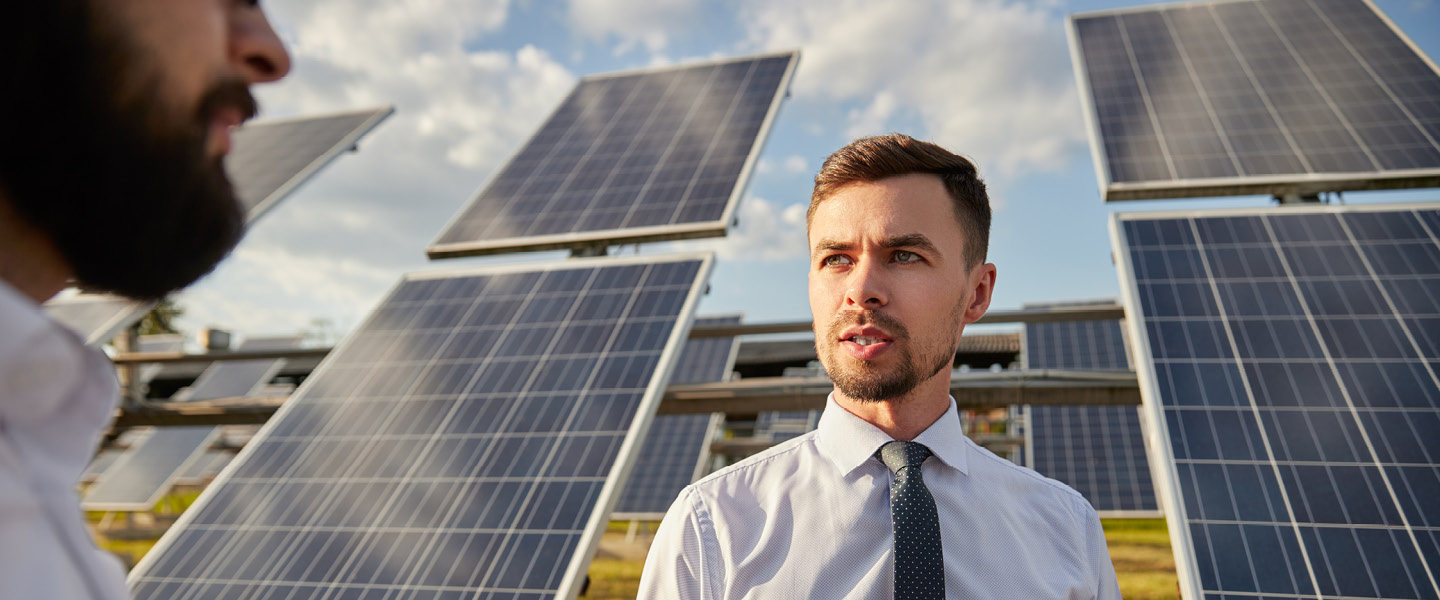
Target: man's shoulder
column 774, row 460
column 1025, row 481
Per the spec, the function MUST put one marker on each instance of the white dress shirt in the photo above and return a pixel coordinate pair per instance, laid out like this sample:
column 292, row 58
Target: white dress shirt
column 810, row 518
column 56, row 395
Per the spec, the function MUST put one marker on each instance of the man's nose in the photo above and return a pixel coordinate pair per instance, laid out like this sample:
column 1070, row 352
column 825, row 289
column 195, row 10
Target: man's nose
column 866, row 288
column 255, row 47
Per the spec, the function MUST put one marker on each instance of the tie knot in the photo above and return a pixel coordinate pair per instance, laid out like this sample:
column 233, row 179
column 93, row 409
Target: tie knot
column 898, row 455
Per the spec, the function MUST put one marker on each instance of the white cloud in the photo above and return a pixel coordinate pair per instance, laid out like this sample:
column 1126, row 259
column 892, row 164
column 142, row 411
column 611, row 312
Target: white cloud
column 766, row 233
column 333, row 248
column 985, row 78
column 649, row 23
column 796, row 164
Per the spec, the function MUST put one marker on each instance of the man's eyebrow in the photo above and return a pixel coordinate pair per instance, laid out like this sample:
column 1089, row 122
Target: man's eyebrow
column 827, row 245
column 913, row 240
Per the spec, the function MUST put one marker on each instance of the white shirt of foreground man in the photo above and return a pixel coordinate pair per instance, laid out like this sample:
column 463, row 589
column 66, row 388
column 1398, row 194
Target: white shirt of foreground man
column 57, row 397
column 811, row 519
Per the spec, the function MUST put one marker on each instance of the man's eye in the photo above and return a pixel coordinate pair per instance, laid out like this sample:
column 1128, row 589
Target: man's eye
column 835, row 260
column 906, row 256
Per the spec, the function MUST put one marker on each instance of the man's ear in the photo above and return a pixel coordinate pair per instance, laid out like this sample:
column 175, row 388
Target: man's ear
column 982, row 281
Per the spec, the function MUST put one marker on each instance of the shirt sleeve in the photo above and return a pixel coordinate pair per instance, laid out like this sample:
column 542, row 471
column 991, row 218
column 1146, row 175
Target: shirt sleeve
column 1106, row 586
column 677, row 566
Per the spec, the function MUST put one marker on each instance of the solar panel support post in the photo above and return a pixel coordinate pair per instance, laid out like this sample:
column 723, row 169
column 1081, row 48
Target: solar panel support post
column 1302, row 199
column 590, row 250
column 131, row 387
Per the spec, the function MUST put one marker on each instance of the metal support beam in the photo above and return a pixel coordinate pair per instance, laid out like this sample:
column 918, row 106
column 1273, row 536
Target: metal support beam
column 973, row 390
column 1099, row 312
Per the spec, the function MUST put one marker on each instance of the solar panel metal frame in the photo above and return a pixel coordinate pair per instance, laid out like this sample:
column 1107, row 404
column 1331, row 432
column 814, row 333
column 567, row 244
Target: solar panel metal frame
column 1279, row 185
column 346, row 143
column 1029, row 453
column 575, row 574
column 716, row 420
column 1158, row 448
column 623, row 235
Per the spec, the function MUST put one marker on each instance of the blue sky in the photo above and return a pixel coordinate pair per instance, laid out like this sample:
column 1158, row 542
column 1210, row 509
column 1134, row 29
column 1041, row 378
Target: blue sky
column 471, row 79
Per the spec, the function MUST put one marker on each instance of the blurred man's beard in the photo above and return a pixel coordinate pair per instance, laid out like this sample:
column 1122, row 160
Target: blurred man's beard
column 96, row 156
column 863, row 380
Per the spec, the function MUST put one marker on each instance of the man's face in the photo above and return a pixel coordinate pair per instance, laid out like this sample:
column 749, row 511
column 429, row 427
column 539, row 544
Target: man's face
column 117, row 157
column 890, row 289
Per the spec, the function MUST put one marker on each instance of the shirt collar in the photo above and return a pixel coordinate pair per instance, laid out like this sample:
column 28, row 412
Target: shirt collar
column 848, row 441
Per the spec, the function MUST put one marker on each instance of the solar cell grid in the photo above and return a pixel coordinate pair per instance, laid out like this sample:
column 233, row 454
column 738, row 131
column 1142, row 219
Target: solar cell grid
column 1098, row 450
column 1290, row 376
column 466, row 441
column 1245, row 96
column 678, row 446
column 654, row 155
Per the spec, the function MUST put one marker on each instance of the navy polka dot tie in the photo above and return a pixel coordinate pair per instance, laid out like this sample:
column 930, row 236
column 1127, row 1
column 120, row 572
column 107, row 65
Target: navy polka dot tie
column 919, row 557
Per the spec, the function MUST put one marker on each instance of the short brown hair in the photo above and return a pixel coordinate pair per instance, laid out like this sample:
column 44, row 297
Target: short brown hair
column 874, row 158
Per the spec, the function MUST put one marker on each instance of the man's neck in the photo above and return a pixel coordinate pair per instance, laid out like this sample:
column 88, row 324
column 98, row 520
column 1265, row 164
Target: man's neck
column 906, row 417
column 29, row 261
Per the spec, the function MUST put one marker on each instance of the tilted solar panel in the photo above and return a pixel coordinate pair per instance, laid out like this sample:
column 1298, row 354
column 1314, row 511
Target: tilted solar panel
column 96, row 317
column 1255, row 97
column 1098, row 450
column 655, row 155
column 235, row 378
column 271, row 158
column 467, row 441
column 1287, row 359
column 678, row 446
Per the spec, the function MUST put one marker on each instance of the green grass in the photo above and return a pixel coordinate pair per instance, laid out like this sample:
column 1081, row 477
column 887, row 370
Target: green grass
column 1144, row 564
column 1140, row 549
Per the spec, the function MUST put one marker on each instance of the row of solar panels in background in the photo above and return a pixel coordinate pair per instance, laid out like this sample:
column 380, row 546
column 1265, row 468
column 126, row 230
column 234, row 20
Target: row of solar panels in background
column 1255, row 97
column 1098, row 450
column 141, row 476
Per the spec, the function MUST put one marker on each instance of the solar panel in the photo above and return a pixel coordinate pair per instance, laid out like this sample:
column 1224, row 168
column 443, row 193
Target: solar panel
column 468, row 440
column 96, row 317
column 654, row 155
column 270, row 159
column 1255, row 97
column 677, row 449
column 140, row 477
column 236, row 378
column 1098, row 450
column 1287, row 359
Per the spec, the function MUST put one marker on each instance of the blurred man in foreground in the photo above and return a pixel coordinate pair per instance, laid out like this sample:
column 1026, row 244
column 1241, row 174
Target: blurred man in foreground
column 887, row 498
column 115, row 121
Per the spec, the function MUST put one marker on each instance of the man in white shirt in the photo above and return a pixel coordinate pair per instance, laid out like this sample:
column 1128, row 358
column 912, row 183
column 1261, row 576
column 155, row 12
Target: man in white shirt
column 887, row 498
column 113, row 125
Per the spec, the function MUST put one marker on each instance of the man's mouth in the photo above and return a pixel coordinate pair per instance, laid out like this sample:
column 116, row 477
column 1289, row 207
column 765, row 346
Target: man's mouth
column 867, row 340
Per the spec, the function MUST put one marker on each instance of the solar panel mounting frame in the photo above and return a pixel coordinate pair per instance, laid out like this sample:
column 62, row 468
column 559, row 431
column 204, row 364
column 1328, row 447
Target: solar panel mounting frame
column 623, row 235
column 1277, row 185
